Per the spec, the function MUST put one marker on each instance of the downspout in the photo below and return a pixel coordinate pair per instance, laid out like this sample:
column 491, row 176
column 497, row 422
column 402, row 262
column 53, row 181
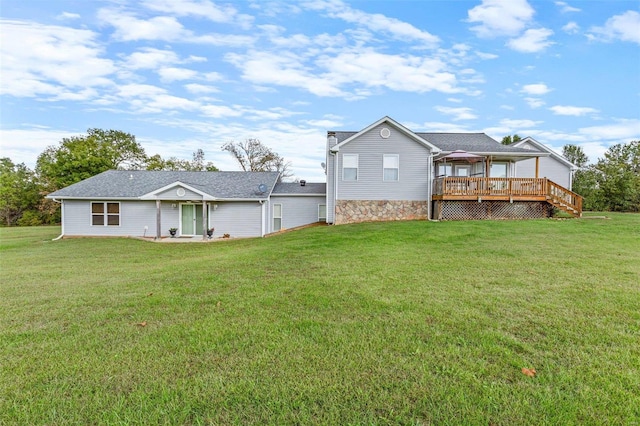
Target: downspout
column 335, row 183
column 430, row 188
column 61, row 219
column 262, row 208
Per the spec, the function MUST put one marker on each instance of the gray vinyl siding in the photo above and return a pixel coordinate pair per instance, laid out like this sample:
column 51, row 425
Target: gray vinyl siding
column 134, row 216
column 296, row 211
column 549, row 167
column 238, row 219
column 413, row 172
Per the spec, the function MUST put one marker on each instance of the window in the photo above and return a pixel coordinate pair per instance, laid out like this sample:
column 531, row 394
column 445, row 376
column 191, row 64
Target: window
column 463, row 170
column 349, row 166
column 391, row 167
column 444, row 170
column 277, row 217
column 322, row 212
column 105, row 214
column 498, row 170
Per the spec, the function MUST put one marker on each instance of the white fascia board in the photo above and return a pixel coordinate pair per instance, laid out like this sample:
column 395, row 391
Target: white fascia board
column 93, row 198
column 154, row 194
column 298, row 195
column 434, row 149
column 543, row 147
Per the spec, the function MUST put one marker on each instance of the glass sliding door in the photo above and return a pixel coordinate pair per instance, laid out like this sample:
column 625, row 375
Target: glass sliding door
column 191, row 219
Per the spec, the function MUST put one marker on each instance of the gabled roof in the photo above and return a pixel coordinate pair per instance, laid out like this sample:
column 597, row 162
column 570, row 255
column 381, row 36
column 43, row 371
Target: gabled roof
column 544, row 148
column 444, row 143
column 391, row 122
column 137, row 184
column 295, row 188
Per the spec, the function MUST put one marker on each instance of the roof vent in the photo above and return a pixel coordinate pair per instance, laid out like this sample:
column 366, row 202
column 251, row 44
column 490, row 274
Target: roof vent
column 303, row 182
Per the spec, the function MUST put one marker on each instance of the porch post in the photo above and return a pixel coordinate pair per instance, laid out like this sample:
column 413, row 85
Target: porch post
column 205, row 225
column 158, row 224
column 537, row 166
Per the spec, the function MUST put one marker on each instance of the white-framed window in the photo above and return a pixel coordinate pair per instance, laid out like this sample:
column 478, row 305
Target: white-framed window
column 105, row 213
column 444, row 170
column 322, row 212
column 391, row 167
column 498, row 170
column 349, row 166
column 463, row 170
column 277, row 217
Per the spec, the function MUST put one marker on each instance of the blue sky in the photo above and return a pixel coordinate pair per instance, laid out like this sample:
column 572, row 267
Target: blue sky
column 187, row 74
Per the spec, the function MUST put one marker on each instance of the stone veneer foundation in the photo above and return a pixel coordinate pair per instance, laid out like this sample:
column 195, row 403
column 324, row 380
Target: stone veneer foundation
column 354, row 211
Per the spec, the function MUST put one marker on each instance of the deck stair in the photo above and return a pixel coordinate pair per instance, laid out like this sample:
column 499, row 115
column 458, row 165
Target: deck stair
column 564, row 199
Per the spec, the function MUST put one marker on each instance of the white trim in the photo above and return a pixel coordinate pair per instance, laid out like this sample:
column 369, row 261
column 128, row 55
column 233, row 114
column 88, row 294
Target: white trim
column 357, row 167
column 105, row 213
column 434, row 149
column 320, row 219
column 543, row 147
column 153, row 195
column 274, row 217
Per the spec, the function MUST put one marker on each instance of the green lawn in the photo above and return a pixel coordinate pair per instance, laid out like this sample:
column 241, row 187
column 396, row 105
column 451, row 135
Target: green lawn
column 387, row 323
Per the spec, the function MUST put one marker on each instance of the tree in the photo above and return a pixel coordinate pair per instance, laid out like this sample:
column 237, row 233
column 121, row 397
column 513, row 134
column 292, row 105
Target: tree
column 508, row 140
column 575, row 155
column 19, row 192
column 618, row 177
column 80, row 157
column 253, row 156
column 156, row 162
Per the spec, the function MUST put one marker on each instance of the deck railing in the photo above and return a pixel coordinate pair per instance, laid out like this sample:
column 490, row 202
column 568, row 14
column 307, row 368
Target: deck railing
column 509, row 187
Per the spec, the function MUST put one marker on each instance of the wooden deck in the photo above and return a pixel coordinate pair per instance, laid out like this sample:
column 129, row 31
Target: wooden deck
column 507, row 189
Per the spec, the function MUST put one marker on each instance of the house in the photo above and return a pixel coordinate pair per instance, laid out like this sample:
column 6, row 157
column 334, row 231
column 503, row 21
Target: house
column 383, row 172
column 388, row 172
column 148, row 203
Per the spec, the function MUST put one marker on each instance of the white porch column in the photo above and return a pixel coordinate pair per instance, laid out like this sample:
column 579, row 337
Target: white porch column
column 205, row 224
column 158, row 217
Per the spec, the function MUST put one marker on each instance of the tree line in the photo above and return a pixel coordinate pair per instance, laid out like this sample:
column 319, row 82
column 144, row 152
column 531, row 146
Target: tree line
column 23, row 191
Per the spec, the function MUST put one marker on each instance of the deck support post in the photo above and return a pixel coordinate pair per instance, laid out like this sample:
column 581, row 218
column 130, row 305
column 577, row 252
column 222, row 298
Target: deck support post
column 537, row 166
column 158, row 217
column 205, row 225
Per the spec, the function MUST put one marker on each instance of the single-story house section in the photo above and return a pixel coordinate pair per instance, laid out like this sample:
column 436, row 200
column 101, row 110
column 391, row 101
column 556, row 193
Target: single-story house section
column 149, row 203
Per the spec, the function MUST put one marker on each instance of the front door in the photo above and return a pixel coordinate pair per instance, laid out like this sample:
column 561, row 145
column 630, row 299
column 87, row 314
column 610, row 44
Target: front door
column 191, row 219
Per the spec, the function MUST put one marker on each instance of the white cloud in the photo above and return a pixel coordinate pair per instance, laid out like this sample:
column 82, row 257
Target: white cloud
column 500, row 18
column 50, row 60
column 535, row 89
column 623, row 130
column 533, row 40
column 535, row 102
column 625, row 27
column 565, row 8
column 170, row 74
column 461, row 113
column 24, row 145
column 572, row 110
column 67, row 16
column 482, row 55
column 163, row 28
column 519, row 124
column 150, row 58
column 200, row 89
column 374, row 21
column 571, row 28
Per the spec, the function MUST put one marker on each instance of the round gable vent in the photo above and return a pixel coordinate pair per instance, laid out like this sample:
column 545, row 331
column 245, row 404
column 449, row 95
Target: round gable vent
column 385, row 133
column 180, row 192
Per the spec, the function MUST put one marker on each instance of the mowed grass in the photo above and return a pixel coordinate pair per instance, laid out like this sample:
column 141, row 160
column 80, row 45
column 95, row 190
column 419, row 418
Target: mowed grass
column 381, row 323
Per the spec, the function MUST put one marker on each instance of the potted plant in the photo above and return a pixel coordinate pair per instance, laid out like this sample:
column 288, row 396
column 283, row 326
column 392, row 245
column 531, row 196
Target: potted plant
column 210, row 232
column 173, row 231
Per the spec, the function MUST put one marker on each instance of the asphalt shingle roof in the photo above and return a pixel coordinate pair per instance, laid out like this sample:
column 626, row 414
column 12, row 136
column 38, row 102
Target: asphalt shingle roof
column 470, row 142
column 310, row 188
column 136, row 183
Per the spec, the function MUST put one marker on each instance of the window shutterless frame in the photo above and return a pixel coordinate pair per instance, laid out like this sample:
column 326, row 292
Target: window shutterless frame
column 322, row 212
column 390, row 167
column 350, row 167
column 277, row 217
column 105, row 213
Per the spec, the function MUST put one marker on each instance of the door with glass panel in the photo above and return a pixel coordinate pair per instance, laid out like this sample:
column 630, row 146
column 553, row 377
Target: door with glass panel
column 191, row 219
